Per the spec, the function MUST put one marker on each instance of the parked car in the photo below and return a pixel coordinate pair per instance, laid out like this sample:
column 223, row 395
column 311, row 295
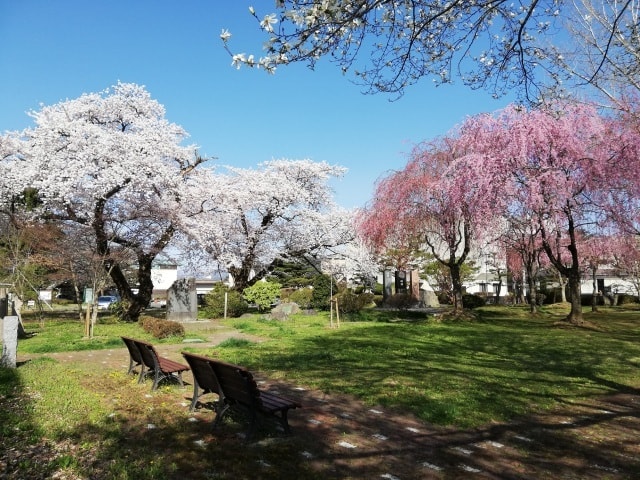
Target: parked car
column 158, row 303
column 105, row 301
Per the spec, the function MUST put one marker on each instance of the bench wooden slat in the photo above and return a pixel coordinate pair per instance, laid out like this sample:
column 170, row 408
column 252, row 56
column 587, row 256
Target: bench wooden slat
column 171, row 366
column 272, row 402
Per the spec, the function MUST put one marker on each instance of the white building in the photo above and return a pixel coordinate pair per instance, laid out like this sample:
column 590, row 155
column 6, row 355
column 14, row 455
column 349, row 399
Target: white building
column 608, row 282
column 163, row 275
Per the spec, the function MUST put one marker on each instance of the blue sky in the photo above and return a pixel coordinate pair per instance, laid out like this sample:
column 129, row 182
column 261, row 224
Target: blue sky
column 56, row 50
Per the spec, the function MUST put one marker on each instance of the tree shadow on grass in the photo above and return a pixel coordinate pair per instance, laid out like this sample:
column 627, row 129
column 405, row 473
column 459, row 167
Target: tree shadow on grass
column 475, row 375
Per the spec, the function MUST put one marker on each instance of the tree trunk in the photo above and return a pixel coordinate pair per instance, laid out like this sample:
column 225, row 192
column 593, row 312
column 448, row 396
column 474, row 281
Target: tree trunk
column 521, row 296
column 76, row 291
column 531, row 286
column 594, row 296
column 563, row 288
column 575, row 315
column 134, row 303
column 570, row 271
column 529, row 263
column 456, row 283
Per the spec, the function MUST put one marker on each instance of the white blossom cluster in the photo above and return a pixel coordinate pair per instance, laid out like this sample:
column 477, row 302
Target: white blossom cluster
column 246, row 218
column 106, row 157
column 390, row 44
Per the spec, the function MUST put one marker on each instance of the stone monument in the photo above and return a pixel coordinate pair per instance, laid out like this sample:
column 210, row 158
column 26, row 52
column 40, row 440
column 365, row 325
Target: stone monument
column 182, row 301
column 9, row 342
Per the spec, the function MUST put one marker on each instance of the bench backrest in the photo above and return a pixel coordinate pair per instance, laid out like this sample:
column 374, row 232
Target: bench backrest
column 148, row 354
column 134, row 352
column 202, row 372
column 237, row 384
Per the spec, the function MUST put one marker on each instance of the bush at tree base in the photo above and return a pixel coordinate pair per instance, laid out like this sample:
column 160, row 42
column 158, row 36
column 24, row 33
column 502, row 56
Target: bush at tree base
column 118, row 308
column 350, row 302
column 160, row 328
column 378, row 300
column 214, row 302
column 625, row 298
column 471, row 301
column 401, row 301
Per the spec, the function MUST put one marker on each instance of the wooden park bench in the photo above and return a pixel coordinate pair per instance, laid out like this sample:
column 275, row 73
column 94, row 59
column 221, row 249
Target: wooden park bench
column 236, row 388
column 153, row 364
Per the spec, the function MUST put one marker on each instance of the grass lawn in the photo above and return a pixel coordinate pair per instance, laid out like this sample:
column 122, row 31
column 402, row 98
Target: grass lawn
column 499, row 367
column 464, row 374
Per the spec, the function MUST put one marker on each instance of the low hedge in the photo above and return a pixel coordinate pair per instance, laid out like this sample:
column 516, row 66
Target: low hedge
column 160, row 328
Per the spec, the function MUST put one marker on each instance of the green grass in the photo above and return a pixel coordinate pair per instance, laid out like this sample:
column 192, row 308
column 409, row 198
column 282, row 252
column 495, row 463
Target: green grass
column 500, row 366
column 65, row 334
column 462, row 373
column 504, row 364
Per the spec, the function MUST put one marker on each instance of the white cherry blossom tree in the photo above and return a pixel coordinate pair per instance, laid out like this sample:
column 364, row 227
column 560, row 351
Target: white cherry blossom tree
column 605, row 51
column 247, row 218
column 110, row 162
column 390, row 44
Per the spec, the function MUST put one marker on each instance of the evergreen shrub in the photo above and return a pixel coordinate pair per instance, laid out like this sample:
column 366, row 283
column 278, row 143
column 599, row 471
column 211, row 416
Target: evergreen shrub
column 263, row 294
column 214, row 302
column 471, row 301
column 321, row 295
column 302, row 297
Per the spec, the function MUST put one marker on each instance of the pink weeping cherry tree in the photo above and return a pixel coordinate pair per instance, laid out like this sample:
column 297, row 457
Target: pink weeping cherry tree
column 423, row 207
column 553, row 162
column 555, row 168
column 623, row 199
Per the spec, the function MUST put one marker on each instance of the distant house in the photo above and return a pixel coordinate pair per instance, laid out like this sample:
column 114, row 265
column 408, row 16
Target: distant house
column 163, row 275
column 609, row 281
column 486, row 285
column 408, row 282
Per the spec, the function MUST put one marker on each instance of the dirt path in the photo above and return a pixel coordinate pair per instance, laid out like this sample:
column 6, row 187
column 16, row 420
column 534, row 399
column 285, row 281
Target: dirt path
column 344, row 438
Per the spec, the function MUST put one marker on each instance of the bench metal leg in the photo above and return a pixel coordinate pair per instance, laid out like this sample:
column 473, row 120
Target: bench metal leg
column 221, row 410
column 252, row 425
column 142, row 374
column 157, row 378
column 132, row 365
column 285, row 422
column 196, row 395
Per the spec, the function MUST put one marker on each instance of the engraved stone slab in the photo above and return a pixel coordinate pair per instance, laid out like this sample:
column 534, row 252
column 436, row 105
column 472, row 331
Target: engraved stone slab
column 182, row 301
column 9, row 341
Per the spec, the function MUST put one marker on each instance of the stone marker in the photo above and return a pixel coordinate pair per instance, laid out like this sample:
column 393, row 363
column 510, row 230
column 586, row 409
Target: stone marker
column 283, row 310
column 9, row 341
column 182, row 301
column 387, row 281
